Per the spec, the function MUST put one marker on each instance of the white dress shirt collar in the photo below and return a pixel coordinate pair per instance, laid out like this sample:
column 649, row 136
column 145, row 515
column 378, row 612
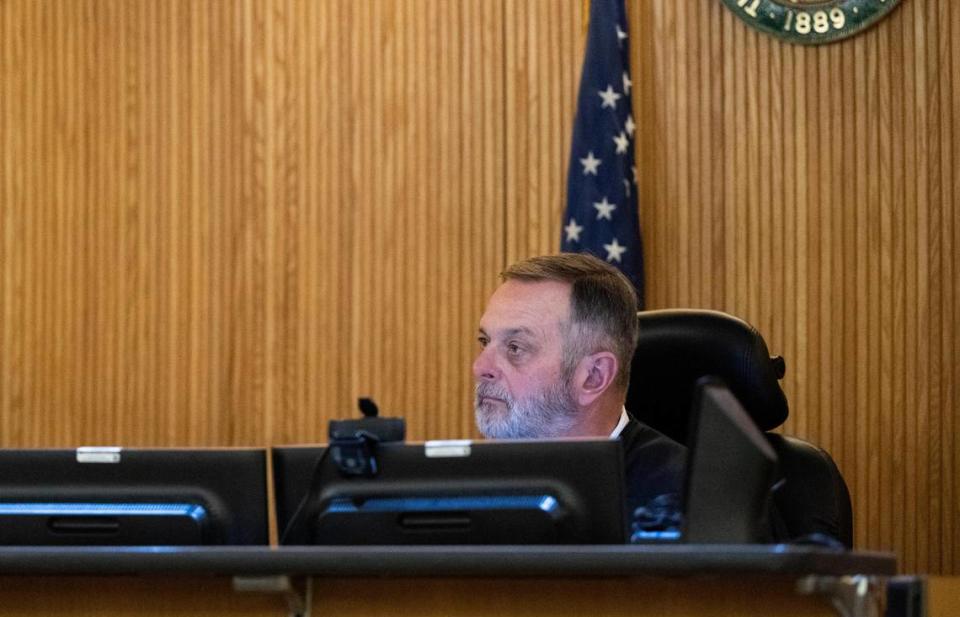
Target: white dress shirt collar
column 624, row 418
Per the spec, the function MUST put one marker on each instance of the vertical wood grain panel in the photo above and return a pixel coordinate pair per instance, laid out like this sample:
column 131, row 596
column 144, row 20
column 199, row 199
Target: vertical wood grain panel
column 838, row 202
column 544, row 43
column 224, row 222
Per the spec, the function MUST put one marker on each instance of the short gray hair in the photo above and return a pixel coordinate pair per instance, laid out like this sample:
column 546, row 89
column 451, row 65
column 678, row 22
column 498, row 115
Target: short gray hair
column 603, row 306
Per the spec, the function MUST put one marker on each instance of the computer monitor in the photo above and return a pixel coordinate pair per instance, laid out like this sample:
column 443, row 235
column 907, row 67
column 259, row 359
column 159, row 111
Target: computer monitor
column 462, row 492
column 126, row 497
column 731, row 469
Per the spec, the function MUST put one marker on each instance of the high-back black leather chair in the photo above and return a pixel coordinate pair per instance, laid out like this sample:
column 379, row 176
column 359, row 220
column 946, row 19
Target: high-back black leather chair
column 679, row 346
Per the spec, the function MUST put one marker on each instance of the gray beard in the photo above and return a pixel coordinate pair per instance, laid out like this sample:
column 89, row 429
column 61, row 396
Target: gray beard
column 548, row 414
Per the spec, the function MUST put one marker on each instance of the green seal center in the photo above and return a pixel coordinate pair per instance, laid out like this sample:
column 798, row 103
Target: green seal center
column 810, row 22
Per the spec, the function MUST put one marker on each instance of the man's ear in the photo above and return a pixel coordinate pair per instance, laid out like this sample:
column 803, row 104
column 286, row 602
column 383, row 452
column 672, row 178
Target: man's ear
column 594, row 375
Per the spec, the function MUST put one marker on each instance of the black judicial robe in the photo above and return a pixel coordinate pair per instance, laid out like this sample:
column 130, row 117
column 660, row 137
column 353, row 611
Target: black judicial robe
column 654, row 465
column 655, row 472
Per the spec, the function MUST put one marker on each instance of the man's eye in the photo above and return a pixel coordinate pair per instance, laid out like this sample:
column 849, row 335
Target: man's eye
column 483, row 341
column 513, row 349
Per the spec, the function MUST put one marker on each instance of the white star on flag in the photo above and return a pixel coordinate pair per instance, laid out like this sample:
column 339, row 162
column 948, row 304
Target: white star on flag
column 630, row 126
column 604, row 209
column 627, row 83
column 609, row 97
column 620, row 34
column 614, row 250
column 590, row 164
column 622, row 142
column 573, row 231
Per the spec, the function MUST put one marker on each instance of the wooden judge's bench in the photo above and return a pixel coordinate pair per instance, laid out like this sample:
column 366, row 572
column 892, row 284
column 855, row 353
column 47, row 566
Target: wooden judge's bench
column 733, row 580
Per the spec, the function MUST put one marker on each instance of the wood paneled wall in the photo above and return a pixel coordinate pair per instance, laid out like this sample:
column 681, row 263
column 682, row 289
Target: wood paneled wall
column 816, row 193
column 223, row 222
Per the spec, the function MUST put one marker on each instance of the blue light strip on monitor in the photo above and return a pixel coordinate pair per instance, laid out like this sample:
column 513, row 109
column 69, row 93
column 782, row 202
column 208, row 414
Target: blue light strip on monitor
column 667, row 534
column 545, row 503
column 194, row 511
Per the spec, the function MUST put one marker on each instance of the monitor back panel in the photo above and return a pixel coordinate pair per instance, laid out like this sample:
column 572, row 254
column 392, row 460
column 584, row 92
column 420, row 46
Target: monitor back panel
column 133, row 497
column 511, row 492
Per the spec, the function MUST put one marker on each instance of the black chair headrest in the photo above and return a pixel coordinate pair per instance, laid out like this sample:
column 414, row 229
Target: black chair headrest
column 679, row 346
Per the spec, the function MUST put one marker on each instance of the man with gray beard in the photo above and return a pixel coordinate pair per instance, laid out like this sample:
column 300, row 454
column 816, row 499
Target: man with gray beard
column 556, row 342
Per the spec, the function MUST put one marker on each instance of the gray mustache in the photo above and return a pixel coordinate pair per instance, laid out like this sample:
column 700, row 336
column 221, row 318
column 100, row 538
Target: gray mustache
column 486, row 389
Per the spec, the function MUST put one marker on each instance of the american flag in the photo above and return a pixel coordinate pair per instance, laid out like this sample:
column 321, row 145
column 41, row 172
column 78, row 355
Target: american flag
column 601, row 216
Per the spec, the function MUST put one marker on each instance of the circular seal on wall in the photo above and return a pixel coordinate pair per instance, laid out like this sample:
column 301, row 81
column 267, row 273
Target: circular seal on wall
column 811, row 22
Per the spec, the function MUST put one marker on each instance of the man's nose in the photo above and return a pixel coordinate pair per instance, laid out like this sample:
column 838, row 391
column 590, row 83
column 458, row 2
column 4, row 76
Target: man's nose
column 483, row 366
